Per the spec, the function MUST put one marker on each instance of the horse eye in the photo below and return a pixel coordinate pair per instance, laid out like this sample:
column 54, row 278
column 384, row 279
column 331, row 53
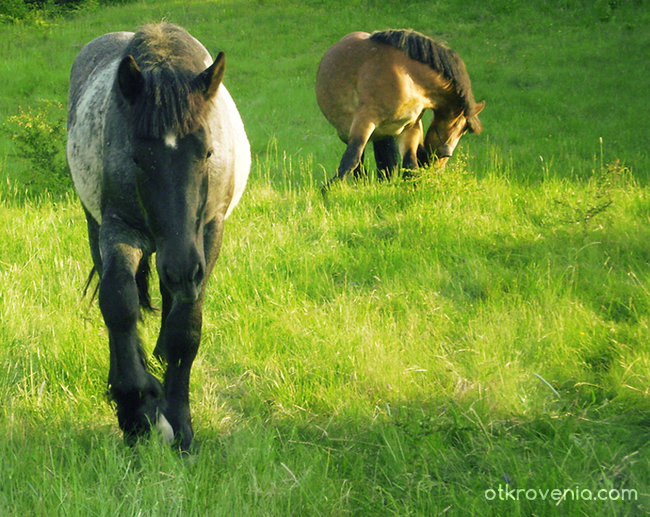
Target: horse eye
column 208, row 154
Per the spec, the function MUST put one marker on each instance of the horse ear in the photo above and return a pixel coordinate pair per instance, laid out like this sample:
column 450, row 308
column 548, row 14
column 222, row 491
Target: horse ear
column 129, row 79
column 473, row 123
column 209, row 80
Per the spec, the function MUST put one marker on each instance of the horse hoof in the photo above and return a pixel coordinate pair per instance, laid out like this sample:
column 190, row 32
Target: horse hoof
column 165, row 429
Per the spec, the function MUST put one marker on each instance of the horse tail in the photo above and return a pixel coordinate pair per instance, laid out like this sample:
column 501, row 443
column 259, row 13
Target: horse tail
column 92, row 273
column 141, row 281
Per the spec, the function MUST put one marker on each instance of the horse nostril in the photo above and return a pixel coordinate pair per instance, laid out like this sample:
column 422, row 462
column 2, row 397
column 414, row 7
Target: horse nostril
column 197, row 274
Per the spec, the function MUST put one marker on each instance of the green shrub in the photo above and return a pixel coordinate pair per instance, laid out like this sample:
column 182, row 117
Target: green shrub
column 40, row 10
column 39, row 136
column 13, row 10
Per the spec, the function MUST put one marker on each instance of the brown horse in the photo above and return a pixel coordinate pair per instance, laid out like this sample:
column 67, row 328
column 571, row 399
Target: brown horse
column 376, row 87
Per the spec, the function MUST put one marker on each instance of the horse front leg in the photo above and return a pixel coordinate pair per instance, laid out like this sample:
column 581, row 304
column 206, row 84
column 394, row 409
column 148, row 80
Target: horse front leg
column 178, row 344
column 360, row 170
column 179, row 339
column 137, row 394
column 409, row 142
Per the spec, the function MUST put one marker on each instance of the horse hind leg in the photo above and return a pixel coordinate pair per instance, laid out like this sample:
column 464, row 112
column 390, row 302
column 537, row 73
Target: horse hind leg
column 93, row 241
column 423, row 157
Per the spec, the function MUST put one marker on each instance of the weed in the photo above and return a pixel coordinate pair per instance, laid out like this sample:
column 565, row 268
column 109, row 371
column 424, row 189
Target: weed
column 598, row 196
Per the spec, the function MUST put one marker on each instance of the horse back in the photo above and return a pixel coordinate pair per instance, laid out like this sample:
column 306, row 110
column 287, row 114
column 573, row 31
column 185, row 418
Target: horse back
column 91, row 82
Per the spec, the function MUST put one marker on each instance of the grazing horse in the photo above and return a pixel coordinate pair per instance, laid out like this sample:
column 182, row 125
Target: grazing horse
column 159, row 158
column 376, row 87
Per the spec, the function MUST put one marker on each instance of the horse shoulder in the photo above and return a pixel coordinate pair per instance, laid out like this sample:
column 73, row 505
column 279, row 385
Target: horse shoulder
column 91, row 79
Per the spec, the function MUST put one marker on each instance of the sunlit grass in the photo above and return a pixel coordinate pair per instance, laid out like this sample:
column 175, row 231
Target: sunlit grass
column 396, row 349
column 356, row 354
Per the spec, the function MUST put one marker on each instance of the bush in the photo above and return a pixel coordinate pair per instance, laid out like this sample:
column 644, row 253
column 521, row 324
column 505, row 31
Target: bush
column 13, row 10
column 40, row 10
column 39, row 138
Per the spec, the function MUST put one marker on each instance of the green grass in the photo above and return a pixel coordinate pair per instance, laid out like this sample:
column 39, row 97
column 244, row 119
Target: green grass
column 399, row 350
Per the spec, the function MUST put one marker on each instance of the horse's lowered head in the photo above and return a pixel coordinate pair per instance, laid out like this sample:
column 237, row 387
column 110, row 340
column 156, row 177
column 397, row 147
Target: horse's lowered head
column 171, row 149
column 446, row 130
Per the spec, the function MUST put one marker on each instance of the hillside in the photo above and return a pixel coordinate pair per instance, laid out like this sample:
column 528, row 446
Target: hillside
column 412, row 347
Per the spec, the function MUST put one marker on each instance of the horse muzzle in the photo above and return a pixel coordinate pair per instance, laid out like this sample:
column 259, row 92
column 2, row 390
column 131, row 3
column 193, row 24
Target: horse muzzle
column 445, row 151
column 183, row 279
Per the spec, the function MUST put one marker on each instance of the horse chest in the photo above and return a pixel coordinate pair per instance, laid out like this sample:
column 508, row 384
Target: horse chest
column 398, row 123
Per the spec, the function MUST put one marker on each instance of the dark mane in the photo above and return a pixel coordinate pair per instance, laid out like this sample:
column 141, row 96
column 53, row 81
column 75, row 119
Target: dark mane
column 435, row 54
column 169, row 59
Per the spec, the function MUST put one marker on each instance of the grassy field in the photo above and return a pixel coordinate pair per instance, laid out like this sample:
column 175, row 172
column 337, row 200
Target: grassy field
column 474, row 342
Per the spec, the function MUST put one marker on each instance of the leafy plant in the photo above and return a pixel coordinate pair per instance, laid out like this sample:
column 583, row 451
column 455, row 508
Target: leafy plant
column 11, row 10
column 38, row 134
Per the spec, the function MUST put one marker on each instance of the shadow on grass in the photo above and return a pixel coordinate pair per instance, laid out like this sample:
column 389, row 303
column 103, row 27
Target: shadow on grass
column 428, row 460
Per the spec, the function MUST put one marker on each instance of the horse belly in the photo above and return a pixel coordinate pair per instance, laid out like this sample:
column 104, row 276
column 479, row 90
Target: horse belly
column 85, row 146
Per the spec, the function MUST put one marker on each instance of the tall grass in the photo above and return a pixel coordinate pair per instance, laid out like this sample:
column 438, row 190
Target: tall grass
column 405, row 348
column 401, row 350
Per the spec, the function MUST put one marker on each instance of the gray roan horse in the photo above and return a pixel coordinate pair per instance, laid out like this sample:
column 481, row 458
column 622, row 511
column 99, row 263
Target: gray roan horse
column 159, row 158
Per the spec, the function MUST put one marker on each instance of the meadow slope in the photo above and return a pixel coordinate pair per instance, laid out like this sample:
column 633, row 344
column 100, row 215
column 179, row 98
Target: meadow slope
column 463, row 343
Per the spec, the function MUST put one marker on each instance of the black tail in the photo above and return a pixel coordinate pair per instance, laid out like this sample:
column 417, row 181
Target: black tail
column 92, row 273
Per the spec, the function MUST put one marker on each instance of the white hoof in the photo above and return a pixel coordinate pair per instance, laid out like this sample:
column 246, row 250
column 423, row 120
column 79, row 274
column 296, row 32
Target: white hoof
column 165, row 429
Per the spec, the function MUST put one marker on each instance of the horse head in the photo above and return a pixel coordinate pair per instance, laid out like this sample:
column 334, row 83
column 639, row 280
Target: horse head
column 171, row 167
column 446, row 130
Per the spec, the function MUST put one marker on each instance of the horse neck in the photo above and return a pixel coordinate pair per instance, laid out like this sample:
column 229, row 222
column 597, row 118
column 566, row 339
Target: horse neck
column 435, row 87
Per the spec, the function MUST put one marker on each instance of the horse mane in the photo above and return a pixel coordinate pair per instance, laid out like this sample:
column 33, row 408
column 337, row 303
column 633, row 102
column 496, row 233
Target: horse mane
column 436, row 55
column 169, row 60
